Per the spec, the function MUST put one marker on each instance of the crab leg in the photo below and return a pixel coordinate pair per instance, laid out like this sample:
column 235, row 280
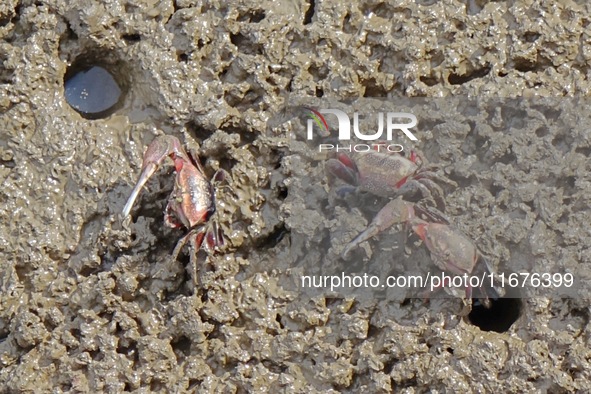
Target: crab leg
column 158, row 150
column 208, row 233
column 344, row 168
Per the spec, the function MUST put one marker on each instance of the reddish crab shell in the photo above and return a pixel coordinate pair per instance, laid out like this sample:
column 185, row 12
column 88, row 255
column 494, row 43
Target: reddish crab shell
column 192, row 200
column 450, row 250
column 388, row 174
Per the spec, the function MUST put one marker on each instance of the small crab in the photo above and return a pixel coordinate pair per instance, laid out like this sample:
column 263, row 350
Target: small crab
column 451, row 251
column 192, row 202
column 389, row 174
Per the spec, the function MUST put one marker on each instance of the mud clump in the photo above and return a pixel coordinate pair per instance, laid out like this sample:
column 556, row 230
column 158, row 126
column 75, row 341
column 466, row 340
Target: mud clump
column 91, row 303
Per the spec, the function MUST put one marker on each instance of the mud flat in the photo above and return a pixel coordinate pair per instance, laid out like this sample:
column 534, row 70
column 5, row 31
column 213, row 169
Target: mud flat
column 92, row 303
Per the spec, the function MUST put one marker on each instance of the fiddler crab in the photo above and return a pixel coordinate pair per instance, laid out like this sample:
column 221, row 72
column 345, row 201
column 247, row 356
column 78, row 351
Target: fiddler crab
column 192, row 202
column 389, row 174
column 393, row 175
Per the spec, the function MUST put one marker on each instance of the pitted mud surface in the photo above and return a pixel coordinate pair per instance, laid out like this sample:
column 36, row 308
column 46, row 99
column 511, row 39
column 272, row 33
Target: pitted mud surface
column 92, row 303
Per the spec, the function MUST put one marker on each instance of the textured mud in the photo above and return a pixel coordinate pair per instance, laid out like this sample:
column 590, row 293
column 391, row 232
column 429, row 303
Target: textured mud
column 91, row 303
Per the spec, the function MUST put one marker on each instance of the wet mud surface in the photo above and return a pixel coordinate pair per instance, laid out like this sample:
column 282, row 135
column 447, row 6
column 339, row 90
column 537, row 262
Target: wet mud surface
column 92, row 303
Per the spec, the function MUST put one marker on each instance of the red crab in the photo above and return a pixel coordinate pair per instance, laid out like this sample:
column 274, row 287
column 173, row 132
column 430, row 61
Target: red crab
column 389, row 174
column 192, row 202
column 451, row 251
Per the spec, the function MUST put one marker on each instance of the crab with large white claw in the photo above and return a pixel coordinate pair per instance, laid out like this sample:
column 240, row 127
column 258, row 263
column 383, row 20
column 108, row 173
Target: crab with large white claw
column 192, row 202
column 451, row 251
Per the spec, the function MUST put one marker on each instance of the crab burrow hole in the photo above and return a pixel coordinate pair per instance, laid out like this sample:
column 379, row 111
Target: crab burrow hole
column 95, row 88
column 502, row 313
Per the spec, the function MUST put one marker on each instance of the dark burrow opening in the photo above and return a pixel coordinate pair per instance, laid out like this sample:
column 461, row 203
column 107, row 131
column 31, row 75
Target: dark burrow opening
column 501, row 315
